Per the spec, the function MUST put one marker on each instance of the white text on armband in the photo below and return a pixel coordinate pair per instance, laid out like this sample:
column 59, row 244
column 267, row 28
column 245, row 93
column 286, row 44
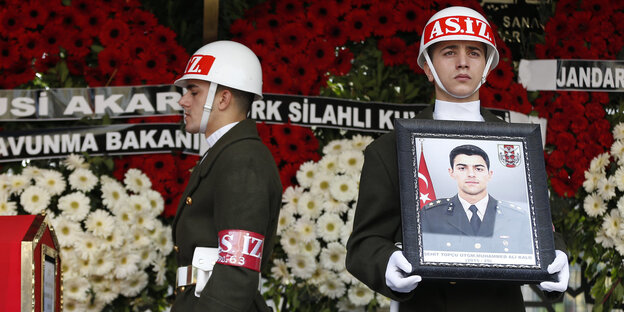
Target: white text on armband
column 241, row 248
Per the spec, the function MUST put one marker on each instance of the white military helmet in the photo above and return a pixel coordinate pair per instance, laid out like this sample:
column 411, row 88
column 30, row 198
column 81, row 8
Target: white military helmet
column 226, row 63
column 458, row 23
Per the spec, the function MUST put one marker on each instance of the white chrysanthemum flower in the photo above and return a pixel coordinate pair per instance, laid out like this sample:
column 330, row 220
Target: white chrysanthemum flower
column 617, row 149
column 384, row 302
column 136, row 181
column 331, row 286
column 138, row 205
column 345, row 232
column 603, row 239
column 18, row 183
column 52, row 181
column 594, row 205
column 301, row 265
column 328, row 227
column 31, row 172
column 76, row 288
column 359, row 294
column 286, row 218
column 618, row 131
column 160, row 268
column 620, row 207
column 333, row 256
column 138, row 238
column 115, row 239
column 95, row 305
column 336, row 147
column 69, row 263
column 133, row 284
column 351, row 162
column 156, row 202
column 83, row 266
column 7, row 207
column 113, row 195
column 306, row 229
column 124, row 216
column 329, row 164
column 618, row 178
column 318, row 276
column 591, row 180
column 82, row 180
column 106, row 291
column 320, row 185
column 74, row 162
column 599, row 163
column 347, row 277
column 100, row 223
column 279, row 271
column 309, row 206
column 72, row 305
column 290, row 241
column 75, row 206
column 334, row 206
column 619, row 245
column 606, row 188
column 126, row 263
column 345, row 305
column 144, row 221
column 291, row 195
column 611, row 223
column 87, row 246
column 5, row 184
column 360, row 142
column 344, row 188
column 35, row 199
column 306, row 173
column 311, row 248
column 102, row 264
column 164, row 243
column 67, row 231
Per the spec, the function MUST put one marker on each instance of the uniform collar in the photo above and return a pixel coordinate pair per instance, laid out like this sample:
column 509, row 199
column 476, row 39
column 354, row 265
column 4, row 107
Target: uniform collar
column 481, row 206
column 468, row 111
column 215, row 136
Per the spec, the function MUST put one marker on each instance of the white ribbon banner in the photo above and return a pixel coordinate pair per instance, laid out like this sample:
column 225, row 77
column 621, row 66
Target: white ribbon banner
column 572, row 75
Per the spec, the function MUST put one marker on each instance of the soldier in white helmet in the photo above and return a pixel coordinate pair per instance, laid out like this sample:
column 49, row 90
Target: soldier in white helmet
column 225, row 225
column 457, row 51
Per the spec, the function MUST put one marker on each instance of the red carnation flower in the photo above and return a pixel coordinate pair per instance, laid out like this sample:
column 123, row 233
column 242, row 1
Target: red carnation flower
column 324, row 11
column 111, row 59
column 271, row 22
column 33, row 15
column 126, row 76
column 578, row 125
column 10, row 53
column 358, row 27
column 392, row 50
column 11, row 20
column 46, row 61
column 76, row 65
column 558, row 26
column 558, row 122
column 335, row 33
column 152, row 64
column 290, row 10
column 113, row 32
column 321, row 53
column 303, row 73
column 94, row 19
column 313, row 26
column 521, row 102
column 343, row 63
column 501, row 76
column 383, row 19
column 261, row 41
column 411, row 57
column 565, row 141
column 288, row 175
column 142, row 19
column 293, row 36
column 176, row 58
column 164, row 36
column 556, row 159
column 240, row 28
column 594, row 111
column 412, row 17
column 276, row 79
column 51, row 38
column 79, row 44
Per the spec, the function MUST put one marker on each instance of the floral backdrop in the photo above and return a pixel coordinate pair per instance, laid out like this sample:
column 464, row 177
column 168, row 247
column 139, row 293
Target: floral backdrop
column 354, row 49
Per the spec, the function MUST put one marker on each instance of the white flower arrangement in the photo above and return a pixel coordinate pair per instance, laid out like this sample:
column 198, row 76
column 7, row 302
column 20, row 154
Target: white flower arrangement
column 109, row 234
column 604, row 202
column 315, row 222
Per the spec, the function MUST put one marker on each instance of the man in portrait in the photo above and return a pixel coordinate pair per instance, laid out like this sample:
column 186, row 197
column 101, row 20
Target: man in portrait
column 495, row 225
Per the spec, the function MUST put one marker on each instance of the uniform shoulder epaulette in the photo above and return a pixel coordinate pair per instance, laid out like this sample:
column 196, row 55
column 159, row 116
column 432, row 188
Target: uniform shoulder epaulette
column 510, row 206
column 437, row 202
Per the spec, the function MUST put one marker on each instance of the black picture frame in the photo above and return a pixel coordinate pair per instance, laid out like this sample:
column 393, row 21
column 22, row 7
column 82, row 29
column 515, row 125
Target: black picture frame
column 446, row 255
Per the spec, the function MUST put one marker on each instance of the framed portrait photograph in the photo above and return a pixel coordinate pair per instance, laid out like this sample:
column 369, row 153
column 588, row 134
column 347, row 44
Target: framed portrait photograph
column 474, row 200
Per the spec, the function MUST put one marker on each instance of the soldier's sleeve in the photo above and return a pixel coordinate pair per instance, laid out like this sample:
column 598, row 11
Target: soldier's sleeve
column 377, row 219
column 242, row 203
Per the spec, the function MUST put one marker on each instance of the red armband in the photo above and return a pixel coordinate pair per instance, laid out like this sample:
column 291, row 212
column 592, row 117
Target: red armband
column 241, row 248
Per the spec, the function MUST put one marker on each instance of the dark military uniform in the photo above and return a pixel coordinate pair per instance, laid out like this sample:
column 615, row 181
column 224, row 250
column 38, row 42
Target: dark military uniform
column 237, row 186
column 505, row 227
column 377, row 227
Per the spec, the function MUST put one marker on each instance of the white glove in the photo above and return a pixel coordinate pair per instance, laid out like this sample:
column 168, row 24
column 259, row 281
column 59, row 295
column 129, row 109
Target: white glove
column 397, row 271
column 562, row 268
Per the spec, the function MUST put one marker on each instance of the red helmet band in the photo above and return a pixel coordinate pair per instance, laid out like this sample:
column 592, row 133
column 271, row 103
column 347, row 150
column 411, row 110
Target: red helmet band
column 458, row 25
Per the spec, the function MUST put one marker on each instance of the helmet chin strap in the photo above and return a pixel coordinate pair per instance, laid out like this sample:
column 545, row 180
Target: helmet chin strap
column 486, row 69
column 212, row 90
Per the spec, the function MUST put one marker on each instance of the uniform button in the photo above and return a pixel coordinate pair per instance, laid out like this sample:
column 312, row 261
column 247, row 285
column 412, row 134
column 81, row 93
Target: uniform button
column 452, row 283
column 182, row 289
column 478, row 246
column 448, row 244
column 176, row 248
column 506, row 249
column 189, row 200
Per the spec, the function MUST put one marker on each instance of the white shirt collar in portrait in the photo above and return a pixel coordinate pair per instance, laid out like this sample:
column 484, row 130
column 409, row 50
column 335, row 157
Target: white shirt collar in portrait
column 481, row 206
